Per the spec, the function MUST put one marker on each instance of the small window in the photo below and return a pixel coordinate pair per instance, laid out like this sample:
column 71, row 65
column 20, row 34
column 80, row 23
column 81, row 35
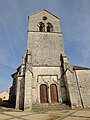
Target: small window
column 49, row 27
column 4, row 97
column 41, row 27
column 44, row 18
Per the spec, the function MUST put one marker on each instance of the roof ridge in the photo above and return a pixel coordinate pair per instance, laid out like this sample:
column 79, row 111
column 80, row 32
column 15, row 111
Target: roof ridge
column 80, row 67
column 46, row 11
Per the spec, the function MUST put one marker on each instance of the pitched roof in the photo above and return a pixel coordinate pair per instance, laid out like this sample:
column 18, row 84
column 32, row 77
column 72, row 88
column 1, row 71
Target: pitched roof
column 80, row 68
column 4, row 92
column 46, row 11
column 14, row 74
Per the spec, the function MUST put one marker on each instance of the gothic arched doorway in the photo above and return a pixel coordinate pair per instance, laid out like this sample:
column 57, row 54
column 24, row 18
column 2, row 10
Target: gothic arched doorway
column 54, row 94
column 43, row 93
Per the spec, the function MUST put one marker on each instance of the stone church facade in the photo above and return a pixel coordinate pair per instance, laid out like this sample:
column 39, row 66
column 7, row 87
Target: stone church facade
column 46, row 75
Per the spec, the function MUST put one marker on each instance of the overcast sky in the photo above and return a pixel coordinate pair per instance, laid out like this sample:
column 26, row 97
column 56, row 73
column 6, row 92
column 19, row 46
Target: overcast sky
column 75, row 26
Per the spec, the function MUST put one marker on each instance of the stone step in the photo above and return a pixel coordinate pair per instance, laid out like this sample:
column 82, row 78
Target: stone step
column 47, row 106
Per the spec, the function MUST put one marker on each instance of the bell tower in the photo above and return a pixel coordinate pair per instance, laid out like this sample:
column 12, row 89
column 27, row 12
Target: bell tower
column 44, row 39
column 43, row 65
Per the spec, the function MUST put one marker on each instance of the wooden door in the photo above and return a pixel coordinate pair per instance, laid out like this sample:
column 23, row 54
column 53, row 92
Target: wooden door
column 54, row 94
column 43, row 94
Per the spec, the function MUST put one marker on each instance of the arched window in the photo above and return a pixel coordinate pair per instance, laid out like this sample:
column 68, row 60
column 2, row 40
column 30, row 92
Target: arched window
column 49, row 27
column 41, row 27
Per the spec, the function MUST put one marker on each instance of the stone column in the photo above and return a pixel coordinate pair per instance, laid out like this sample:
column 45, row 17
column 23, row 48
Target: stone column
column 49, row 94
column 59, row 93
column 18, row 92
column 38, row 96
column 28, row 90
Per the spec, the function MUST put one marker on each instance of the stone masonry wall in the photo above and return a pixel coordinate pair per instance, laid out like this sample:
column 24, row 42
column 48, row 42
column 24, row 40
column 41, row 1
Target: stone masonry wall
column 83, row 77
column 45, row 48
column 73, row 89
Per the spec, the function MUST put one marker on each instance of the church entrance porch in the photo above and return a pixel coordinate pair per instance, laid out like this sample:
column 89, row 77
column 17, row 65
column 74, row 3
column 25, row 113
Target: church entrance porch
column 48, row 89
